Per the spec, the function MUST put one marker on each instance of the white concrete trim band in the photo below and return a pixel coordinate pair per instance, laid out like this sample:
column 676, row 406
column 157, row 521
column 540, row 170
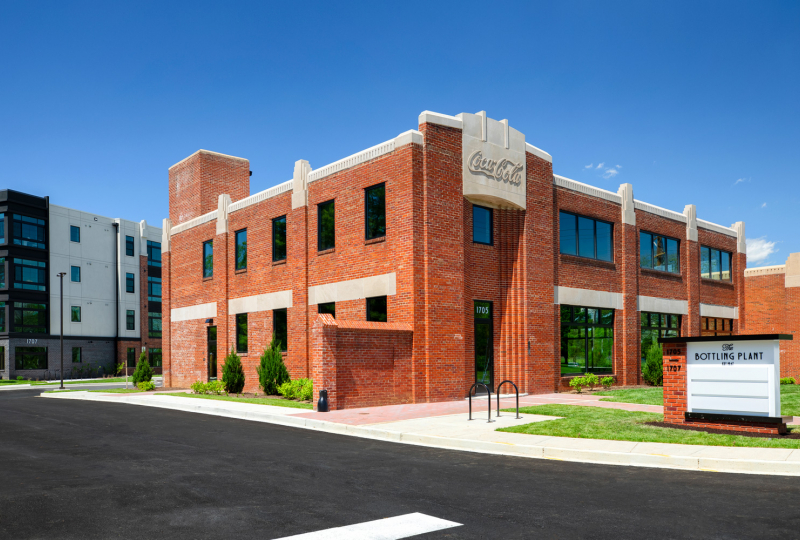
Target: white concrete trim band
column 586, row 189
column 354, row 289
column 189, row 313
column 260, row 302
column 205, row 218
column 261, row 196
column 703, row 224
column 722, row 312
column 765, row 270
column 662, row 305
column 587, row 297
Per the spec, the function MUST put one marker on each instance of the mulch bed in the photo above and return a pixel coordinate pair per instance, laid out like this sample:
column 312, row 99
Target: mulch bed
column 790, row 435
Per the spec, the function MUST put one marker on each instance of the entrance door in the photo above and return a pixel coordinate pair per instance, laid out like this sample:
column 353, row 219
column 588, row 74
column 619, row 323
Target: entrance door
column 484, row 349
column 212, row 353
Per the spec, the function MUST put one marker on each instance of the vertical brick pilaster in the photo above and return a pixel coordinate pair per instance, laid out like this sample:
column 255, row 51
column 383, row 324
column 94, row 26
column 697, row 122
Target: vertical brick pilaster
column 675, row 401
column 299, row 241
column 226, row 323
column 166, row 299
column 691, row 266
column 739, row 265
column 628, row 371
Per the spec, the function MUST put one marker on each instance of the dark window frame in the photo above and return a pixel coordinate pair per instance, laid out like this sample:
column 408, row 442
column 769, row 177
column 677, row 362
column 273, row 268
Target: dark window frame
column 152, row 281
column 367, row 234
column 661, row 330
column 320, row 208
column 491, row 225
column 130, row 283
column 80, row 359
column 21, row 283
column 151, row 250
column 21, row 352
column 130, row 247
column 72, row 313
column 372, row 300
column 241, row 333
column 667, row 252
column 275, row 251
column 156, row 357
column 72, row 274
column 19, row 221
column 237, row 260
column 131, row 357
column 585, row 324
column 130, row 319
column 40, row 308
column 72, row 230
column 327, row 308
column 720, row 253
column 577, row 236
column 208, row 269
column 152, row 331
column 283, row 336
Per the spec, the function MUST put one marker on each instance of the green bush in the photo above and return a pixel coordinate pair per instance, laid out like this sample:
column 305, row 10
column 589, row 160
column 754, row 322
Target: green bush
column 578, row 383
column 272, row 371
column 788, row 380
column 591, row 380
column 118, row 369
column 20, row 378
column 301, row 389
column 653, row 371
column 198, row 387
column 214, row 387
column 146, row 385
column 607, row 382
column 143, row 371
column 233, row 373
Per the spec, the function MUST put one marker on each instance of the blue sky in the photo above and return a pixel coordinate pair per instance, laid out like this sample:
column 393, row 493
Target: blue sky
column 693, row 102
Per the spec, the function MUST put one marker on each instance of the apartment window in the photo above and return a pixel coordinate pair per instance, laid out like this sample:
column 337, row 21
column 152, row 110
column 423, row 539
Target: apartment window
column 587, row 340
column 2, row 358
column 715, row 264
column 154, row 325
column 76, row 355
column 659, row 253
column 74, row 234
column 2, row 272
column 241, row 332
column 656, row 325
column 30, row 358
column 155, row 357
column 2, row 316
column 130, row 282
column 208, row 259
column 375, row 211
column 153, row 289
column 129, row 246
column 130, row 319
column 326, row 226
column 75, row 274
column 132, row 357
column 715, row 326
column 482, row 225
column 30, row 275
column 241, row 249
column 30, row 318
column 153, row 253
column 279, row 239
column 29, row 232
column 376, row 309
column 585, row 237
column 76, row 314
column 327, row 307
column 280, row 327
column 2, row 228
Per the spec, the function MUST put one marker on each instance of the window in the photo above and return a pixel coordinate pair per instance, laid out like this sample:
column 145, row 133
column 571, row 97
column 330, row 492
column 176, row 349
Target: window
column 2, row 316
column 130, row 282
column 29, row 232
column 241, row 332
column 280, row 327
column 241, row 249
column 376, row 309
column 76, row 355
column 30, row 275
column 30, row 318
column 656, row 325
column 30, row 358
column 129, row 246
column 587, row 340
column 659, row 253
column 2, row 272
column 2, row 358
column 715, row 326
column 76, row 314
column 585, row 237
column 482, row 225
column 153, row 289
column 326, row 226
column 155, row 357
column 375, row 211
column 208, row 259
column 132, row 357
column 154, row 325
column 130, row 319
column 153, row 253
column 715, row 264
column 75, row 274
column 2, row 228
column 74, row 234
column 327, row 307
column 279, row 239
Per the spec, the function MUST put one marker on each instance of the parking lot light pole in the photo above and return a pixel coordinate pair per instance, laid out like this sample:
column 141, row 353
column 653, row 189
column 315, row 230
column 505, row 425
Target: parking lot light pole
column 61, row 278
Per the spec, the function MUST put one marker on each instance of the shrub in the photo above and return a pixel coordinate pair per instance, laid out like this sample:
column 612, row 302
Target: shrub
column 788, row 380
column 143, row 371
column 653, row 372
column 607, row 382
column 302, row 389
column 272, row 371
column 233, row 374
column 214, row 387
column 118, row 369
column 20, row 378
column 146, row 385
column 578, row 383
column 591, row 380
column 199, row 387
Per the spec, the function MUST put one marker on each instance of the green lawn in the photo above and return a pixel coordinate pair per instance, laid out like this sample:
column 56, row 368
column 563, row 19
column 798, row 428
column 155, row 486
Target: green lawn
column 612, row 424
column 259, row 401
column 94, row 381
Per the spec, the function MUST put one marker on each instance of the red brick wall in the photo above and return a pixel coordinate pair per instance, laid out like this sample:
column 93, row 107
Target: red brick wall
column 773, row 309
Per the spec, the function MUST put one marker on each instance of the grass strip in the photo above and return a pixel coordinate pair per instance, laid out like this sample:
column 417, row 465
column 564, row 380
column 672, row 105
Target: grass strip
column 95, row 381
column 258, row 401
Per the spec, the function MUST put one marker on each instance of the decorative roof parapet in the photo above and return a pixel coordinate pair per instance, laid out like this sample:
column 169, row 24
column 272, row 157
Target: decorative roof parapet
column 430, row 117
column 351, row 161
column 205, row 218
column 564, row 182
column 260, row 196
column 765, row 270
column 538, row 152
column 741, row 241
column 716, row 228
column 690, row 211
column 657, row 210
column 625, row 193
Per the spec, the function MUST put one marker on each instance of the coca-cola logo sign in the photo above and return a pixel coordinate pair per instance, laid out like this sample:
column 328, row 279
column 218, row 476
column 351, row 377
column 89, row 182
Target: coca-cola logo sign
column 503, row 170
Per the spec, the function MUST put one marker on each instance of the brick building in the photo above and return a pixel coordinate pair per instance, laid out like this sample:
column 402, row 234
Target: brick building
column 446, row 256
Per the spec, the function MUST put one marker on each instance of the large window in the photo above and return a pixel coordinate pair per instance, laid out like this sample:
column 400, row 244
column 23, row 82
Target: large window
column 326, row 226
column 279, row 239
column 29, row 232
column 2, row 272
column 30, row 275
column 587, row 340
column 241, row 249
column 154, row 325
column 2, row 358
column 74, row 234
column 659, row 253
column 132, row 357
column 585, row 237
column 375, row 211
column 130, row 319
column 76, row 355
column 75, row 273
column 656, row 325
column 153, row 289
column 153, row 253
column 2, row 316
column 376, row 309
column 30, row 318
column 241, row 332
column 327, row 307
column 715, row 264
column 30, row 358
column 129, row 250
column 75, row 315
column 208, row 259
column 2, row 228
column 130, row 283
column 482, row 225
column 155, row 357
column 715, row 326
column 280, row 327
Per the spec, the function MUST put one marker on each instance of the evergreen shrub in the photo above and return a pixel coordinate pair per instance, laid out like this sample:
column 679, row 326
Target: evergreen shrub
column 233, row 373
column 653, row 371
column 143, row 371
column 272, row 372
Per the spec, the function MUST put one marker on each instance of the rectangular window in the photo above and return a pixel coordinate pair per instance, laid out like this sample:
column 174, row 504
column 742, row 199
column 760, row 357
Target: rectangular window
column 482, row 225
column 130, row 319
column 29, row 232
column 376, row 309
column 715, row 264
column 241, row 249
column 154, row 325
column 279, row 239
column 327, row 307
column 76, row 314
column 76, row 355
column 74, row 234
column 75, row 274
column 375, row 211
column 656, row 325
column 155, row 357
column 658, row 252
column 280, row 327
column 153, row 289
column 587, row 340
column 326, row 226
column 30, row 358
column 132, row 357
column 2, row 228
column 129, row 246
column 2, row 272
column 241, row 332
column 30, row 318
column 154, row 253
column 585, row 237
column 30, row 275
column 208, row 259
column 130, row 283
column 714, row 326
column 2, row 316
column 2, row 358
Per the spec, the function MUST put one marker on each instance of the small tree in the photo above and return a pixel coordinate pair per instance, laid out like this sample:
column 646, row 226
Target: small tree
column 143, row 371
column 653, row 372
column 272, row 372
column 233, row 374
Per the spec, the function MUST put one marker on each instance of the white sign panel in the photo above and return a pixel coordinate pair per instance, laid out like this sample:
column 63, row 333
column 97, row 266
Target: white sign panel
column 734, row 377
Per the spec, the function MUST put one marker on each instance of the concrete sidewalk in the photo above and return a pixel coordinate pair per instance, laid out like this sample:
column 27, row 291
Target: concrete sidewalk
column 407, row 424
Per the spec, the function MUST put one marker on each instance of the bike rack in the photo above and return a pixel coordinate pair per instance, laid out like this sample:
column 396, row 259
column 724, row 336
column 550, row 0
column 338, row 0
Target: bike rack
column 498, row 396
column 488, row 395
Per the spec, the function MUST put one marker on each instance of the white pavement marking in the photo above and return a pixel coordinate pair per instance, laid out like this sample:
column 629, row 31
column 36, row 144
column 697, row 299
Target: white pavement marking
column 381, row 529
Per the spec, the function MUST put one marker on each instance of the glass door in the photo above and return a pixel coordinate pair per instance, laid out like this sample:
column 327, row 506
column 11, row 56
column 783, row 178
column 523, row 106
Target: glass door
column 212, row 353
column 484, row 349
